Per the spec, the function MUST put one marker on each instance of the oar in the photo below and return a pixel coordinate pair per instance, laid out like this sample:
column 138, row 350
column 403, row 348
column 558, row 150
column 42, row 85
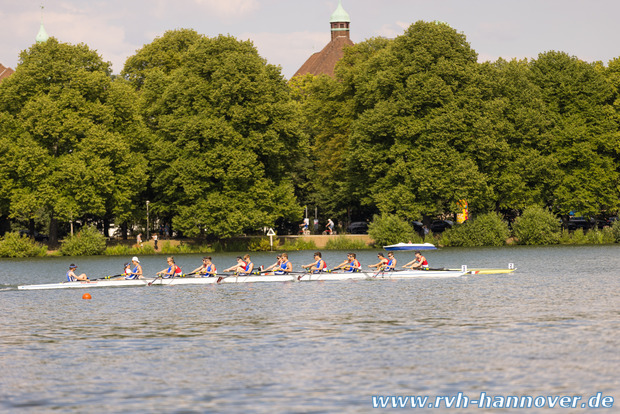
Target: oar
column 156, row 277
column 108, row 277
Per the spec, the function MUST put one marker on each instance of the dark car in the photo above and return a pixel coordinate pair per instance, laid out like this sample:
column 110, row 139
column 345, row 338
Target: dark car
column 606, row 222
column 575, row 223
column 358, row 227
column 439, row 226
column 418, row 227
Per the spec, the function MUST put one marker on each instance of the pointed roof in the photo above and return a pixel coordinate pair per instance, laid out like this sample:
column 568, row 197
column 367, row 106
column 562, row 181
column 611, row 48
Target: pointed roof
column 324, row 62
column 340, row 15
column 42, row 35
column 5, row 72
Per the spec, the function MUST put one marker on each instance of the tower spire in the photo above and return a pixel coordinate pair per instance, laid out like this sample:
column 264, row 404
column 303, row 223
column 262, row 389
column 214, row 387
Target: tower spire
column 42, row 35
column 339, row 22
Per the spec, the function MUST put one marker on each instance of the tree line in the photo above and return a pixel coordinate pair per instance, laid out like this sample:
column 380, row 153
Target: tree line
column 221, row 144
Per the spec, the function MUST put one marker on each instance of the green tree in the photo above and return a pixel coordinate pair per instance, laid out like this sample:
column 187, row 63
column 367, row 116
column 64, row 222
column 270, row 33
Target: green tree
column 226, row 133
column 583, row 133
column 408, row 146
column 77, row 150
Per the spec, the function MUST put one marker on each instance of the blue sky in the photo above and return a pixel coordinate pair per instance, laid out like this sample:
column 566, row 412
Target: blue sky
column 287, row 32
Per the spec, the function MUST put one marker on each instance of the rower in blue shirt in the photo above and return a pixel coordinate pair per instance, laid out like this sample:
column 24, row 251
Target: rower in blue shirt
column 72, row 277
column 391, row 263
column 318, row 265
column 350, row 265
column 285, row 266
column 136, row 272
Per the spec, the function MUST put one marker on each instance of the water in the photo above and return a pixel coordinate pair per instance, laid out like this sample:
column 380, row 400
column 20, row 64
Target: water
column 550, row 328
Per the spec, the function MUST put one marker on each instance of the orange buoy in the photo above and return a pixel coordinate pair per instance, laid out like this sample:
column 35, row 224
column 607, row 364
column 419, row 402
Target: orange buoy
column 86, row 296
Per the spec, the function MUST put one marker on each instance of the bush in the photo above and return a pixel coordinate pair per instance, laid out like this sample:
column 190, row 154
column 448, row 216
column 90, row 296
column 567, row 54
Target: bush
column 390, row 229
column 485, row 230
column 344, row 243
column 262, row 244
column 297, row 244
column 536, row 226
column 594, row 236
column 15, row 245
column 87, row 242
column 615, row 231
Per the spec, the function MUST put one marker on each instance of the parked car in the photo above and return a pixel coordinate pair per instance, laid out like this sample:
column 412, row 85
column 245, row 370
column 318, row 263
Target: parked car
column 439, row 226
column 418, row 227
column 358, row 227
column 606, row 222
column 575, row 223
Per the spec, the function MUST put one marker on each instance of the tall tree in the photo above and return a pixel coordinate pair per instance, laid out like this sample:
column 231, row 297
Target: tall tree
column 226, row 135
column 77, row 139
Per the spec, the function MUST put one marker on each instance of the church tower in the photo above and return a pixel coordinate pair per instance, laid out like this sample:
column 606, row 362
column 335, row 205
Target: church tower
column 42, row 35
column 340, row 22
column 324, row 62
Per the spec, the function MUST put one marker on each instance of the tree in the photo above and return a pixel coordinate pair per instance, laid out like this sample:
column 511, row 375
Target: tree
column 582, row 135
column 226, row 135
column 76, row 150
column 407, row 151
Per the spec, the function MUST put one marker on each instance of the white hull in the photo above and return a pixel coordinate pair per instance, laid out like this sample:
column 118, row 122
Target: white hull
column 303, row 277
column 410, row 246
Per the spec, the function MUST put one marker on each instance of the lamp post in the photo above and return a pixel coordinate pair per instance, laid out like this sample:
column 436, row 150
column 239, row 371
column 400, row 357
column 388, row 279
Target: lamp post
column 147, row 221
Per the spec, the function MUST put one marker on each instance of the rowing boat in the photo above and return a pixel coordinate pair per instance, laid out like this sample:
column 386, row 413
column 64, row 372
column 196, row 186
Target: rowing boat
column 302, row 277
column 410, row 246
column 490, row 271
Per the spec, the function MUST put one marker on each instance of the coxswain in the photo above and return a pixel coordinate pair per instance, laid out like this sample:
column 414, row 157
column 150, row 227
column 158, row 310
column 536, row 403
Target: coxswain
column 318, row 265
column 419, row 262
column 72, row 277
column 172, row 271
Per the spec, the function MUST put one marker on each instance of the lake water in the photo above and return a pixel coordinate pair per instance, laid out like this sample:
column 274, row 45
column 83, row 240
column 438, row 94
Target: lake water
column 552, row 328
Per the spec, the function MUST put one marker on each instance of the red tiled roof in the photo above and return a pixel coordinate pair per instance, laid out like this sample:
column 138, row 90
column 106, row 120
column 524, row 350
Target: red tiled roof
column 5, row 72
column 324, row 62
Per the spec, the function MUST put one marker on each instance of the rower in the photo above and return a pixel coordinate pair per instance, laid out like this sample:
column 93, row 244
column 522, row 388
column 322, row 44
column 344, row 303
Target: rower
column 243, row 267
column 318, row 265
column 382, row 262
column 136, row 272
column 72, row 277
column 207, row 268
column 350, row 265
column 285, row 265
column 172, row 271
column 391, row 264
column 419, row 262
column 276, row 264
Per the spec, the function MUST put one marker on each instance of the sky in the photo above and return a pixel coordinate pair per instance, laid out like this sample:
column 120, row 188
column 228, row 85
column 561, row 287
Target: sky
column 287, row 32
